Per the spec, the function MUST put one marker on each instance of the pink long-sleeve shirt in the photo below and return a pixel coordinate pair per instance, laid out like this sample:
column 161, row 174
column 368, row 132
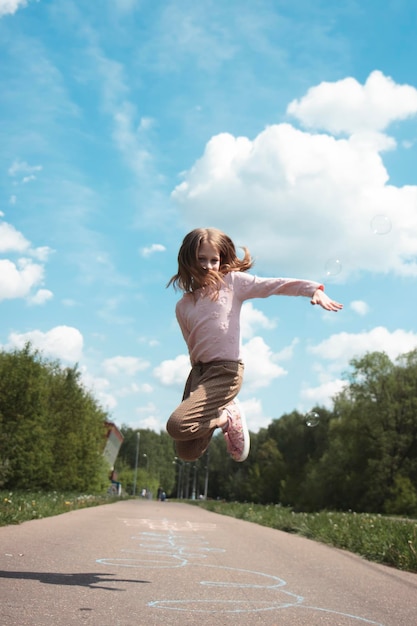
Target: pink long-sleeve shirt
column 211, row 328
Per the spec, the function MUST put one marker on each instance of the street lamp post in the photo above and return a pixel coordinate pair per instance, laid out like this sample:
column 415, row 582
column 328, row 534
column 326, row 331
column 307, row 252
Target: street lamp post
column 187, row 480
column 145, row 456
column 136, row 463
column 180, row 471
column 207, row 474
column 194, row 489
column 180, row 464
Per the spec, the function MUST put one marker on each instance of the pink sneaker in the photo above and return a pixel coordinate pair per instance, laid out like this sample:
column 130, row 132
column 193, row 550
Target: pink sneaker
column 236, row 432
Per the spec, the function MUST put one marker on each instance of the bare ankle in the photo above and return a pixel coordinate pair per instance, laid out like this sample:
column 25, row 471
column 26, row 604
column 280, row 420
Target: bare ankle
column 222, row 418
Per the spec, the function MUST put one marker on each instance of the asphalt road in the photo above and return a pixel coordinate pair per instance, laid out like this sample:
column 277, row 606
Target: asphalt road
column 163, row 563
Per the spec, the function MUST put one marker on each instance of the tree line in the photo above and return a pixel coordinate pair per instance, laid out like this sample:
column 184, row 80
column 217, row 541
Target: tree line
column 52, row 432
column 361, row 456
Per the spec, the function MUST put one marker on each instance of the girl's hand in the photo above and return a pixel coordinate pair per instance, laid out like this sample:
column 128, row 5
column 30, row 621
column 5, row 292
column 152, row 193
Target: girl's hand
column 319, row 297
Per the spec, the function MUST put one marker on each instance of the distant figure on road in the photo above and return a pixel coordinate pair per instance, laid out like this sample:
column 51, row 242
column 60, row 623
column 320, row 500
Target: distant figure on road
column 116, row 486
column 161, row 495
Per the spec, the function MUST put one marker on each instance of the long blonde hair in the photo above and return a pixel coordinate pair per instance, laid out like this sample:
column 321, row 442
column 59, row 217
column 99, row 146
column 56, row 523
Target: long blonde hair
column 191, row 276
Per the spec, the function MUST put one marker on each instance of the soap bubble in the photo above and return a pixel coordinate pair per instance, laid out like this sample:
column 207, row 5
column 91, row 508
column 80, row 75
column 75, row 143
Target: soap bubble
column 380, row 225
column 312, row 419
column 333, row 267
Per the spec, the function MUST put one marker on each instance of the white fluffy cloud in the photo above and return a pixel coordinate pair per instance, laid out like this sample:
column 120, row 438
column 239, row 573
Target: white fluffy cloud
column 134, row 388
column 253, row 319
column 288, row 189
column 342, row 347
column 253, row 410
column 41, row 296
column 260, row 364
column 62, row 342
column 8, row 7
column 346, row 106
column 113, row 386
column 18, row 279
column 148, row 417
column 108, row 389
column 322, row 395
column 173, row 371
column 127, row 365
column 11, row 240
column 41, row 253
column 155, row 247
column 360, row 307
column 100, row 388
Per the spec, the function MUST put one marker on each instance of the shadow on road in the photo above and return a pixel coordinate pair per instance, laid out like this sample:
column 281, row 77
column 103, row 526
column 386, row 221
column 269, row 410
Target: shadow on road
column 80, row 580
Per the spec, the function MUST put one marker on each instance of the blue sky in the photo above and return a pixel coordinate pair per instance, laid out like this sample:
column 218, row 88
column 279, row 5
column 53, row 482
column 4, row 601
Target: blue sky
column 126, row 123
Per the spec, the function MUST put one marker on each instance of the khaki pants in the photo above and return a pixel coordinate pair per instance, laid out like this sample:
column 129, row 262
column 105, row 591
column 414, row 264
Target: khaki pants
column 209, row 388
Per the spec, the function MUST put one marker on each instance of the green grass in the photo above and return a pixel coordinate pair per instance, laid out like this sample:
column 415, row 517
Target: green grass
column 21, row 506
column 377, row 538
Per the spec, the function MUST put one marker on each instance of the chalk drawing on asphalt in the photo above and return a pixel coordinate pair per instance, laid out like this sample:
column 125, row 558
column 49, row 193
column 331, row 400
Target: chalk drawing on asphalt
column 166, row 544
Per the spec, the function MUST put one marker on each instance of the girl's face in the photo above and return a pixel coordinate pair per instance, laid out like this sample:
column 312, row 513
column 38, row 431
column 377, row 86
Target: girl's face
column 208, row 256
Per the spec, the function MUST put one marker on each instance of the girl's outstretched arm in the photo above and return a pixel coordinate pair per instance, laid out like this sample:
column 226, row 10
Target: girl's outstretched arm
column 319, row 297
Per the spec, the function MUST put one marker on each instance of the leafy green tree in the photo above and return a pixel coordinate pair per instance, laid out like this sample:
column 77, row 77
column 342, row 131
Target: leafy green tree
column 51, row 428
column 164, row 469
column 156, row 458
column 402, row 497
column 26, row 445
column 373, row 436
column 77, row 422
column 267, row 469
column 299, row 446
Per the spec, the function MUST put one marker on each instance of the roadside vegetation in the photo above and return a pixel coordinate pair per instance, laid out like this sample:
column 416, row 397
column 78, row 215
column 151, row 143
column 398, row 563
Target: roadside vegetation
column 375, row 537
column 18, row 507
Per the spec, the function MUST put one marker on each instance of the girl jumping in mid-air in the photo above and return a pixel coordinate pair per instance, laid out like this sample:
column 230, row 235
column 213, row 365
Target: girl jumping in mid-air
column 215, row 286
